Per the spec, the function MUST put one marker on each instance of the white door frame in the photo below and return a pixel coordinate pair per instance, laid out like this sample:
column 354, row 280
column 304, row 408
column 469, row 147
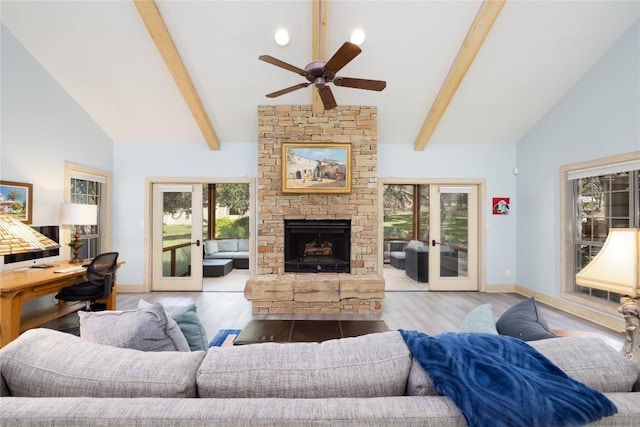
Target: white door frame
column 148, row 218
column 481, row 183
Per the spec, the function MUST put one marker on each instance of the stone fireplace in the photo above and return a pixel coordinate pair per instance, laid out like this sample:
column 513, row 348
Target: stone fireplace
column 338, row 277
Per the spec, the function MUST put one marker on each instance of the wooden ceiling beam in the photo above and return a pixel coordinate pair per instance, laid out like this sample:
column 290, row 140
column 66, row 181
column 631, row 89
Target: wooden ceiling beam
column 486, row 16
column 148, row 10
column 318, row 45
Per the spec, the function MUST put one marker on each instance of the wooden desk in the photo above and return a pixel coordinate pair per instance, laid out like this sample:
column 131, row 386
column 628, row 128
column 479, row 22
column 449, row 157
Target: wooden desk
column 16, row 287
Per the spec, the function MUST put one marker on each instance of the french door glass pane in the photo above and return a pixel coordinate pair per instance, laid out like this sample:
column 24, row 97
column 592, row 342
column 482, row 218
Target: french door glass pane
column 454, row 234
column 176, row 234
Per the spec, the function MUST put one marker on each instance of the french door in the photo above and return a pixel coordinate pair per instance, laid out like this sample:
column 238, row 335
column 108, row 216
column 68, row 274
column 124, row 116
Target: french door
column 453, row 238
column 176, row 237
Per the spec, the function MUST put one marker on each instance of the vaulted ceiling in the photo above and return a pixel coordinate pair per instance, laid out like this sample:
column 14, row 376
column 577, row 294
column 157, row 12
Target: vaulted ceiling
column 103, row 55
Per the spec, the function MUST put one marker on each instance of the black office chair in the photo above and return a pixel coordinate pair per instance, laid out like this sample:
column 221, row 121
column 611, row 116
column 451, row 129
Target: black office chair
column 100, row 280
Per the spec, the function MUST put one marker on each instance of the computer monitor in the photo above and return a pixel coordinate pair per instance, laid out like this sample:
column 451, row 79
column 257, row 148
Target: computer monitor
column 52, row 232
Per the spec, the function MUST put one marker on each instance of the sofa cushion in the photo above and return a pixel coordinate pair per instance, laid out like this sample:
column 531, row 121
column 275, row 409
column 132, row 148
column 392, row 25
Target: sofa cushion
column 186, row 316
column 48, row 363
column 243, row 245
column 227, row 245
column 210, row 247
column 365, row 366
column 480, row 320
column 524, row 321
column 147, row 329
column 591, row 361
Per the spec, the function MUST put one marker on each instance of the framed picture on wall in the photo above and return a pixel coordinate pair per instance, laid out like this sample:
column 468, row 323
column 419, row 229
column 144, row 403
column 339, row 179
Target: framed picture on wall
column 316, row 167
column 16, row 200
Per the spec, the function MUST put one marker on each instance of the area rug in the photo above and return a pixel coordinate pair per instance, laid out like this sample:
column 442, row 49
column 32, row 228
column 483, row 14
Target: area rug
column 225, row 337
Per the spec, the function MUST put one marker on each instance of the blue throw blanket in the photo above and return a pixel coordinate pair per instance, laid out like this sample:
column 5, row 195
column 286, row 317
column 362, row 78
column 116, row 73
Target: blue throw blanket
column 498, row 380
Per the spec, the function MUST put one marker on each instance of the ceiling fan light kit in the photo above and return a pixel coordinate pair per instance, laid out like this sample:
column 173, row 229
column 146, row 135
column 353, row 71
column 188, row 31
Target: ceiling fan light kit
column 282, row 37
column 321, row 73
column 358, row 36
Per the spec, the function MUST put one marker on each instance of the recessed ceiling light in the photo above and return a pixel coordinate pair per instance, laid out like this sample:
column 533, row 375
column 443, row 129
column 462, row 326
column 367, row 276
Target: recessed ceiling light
column 357, row 36
column 282, row 37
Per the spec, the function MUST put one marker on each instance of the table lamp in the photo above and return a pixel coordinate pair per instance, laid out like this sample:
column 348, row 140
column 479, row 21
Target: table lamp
column 18, row 238
column 615, row 269
column 76, row 214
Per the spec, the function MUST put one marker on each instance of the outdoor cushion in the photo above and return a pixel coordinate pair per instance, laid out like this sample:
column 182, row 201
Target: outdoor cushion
column 210, row 247
column 243, row 245
column 227, row 245
column 416, row 245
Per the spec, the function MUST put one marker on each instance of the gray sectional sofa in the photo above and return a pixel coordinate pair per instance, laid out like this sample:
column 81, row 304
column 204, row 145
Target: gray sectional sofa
column 56, row 379
column 234, row 249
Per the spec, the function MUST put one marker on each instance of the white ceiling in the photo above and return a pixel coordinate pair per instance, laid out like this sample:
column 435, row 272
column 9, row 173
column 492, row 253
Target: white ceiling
column 102, row 54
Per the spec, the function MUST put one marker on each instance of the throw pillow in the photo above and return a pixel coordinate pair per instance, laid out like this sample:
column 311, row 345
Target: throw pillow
column 186, row 316
column 480, row 320
column 210, row 247
column 146, row 329
column 524, row 321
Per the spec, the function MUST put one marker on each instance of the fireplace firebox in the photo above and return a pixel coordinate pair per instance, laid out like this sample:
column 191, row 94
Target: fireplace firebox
column 317, row 246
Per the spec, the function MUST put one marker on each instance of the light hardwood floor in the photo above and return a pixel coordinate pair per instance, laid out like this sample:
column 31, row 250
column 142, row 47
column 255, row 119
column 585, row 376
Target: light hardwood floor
column 429, row 312
column 222, row 306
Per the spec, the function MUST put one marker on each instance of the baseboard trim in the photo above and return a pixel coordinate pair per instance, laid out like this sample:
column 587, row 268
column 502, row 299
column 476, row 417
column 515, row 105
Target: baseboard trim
column 602, row 319
column 124, row 289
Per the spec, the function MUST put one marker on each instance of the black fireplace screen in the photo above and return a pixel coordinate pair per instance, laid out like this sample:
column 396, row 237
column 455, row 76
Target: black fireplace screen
column 316, row 246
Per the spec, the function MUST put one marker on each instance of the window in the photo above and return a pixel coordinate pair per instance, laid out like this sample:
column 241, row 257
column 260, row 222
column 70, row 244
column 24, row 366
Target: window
column 227, row 209
column 90, row 186
column 603, row 197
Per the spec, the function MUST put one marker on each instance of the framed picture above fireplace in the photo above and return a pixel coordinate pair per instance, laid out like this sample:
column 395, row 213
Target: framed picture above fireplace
column 316, row 167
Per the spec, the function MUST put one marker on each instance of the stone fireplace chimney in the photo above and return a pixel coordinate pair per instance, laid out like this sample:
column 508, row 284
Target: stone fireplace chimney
column 360, row 289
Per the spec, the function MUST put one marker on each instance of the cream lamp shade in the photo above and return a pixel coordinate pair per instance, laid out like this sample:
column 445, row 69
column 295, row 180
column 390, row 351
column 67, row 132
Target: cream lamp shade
column 19, row 238
column 615, row 267
column 78, row 214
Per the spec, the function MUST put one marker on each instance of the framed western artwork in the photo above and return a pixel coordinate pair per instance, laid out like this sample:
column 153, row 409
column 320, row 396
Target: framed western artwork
column 16, row 200
column 316, row 167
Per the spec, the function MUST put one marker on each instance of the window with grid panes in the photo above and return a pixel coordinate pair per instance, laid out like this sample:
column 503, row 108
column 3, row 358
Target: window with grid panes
column 601, row 202
column 86, row 191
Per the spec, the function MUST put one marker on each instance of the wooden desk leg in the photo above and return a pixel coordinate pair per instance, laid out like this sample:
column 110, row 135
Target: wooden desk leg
column 111, row 301
column 10, row 313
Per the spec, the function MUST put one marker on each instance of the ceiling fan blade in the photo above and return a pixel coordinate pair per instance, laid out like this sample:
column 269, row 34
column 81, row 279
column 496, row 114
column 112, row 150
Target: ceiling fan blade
column 287, row 90
column 360, row 83
column 327, row 98
column 342, row 57
column 274, row 61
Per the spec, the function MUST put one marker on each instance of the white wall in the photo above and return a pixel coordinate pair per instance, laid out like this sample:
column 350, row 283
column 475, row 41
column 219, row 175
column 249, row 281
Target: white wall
column 135, row 162
column 42, row 128
column 494, row 163
column 598, row 117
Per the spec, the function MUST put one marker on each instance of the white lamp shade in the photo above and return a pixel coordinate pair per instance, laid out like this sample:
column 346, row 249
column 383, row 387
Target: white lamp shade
column 78, row 214
column 615, row 267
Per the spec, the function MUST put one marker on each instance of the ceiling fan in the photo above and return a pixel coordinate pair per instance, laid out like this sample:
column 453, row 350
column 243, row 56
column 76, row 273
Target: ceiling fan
column 320, row 73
